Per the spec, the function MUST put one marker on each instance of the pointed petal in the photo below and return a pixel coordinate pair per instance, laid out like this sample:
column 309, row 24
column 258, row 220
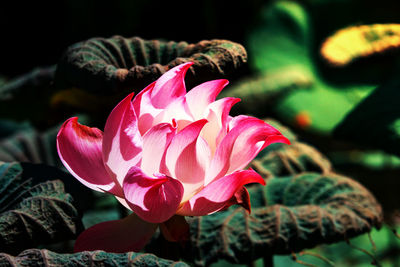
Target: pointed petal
column 122, row 142
column 128, row 234
column 202, row 95
column 218, row 194
column 79, row 148
column 144, row 109
column 188, row 157
column 155, row 143
column 217, row 127
column 242, row 198
column 176, row 229
column 243, row 142
column 170, row 86
column 153, row 199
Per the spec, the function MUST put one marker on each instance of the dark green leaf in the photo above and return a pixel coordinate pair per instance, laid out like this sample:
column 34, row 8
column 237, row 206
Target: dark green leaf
column 281, row 48
column 289, row 215
column 9, row 127
column 46, row 258
column 27, row 96
column 375, row 122
column 33, row 212
column 120, row 65
column 265, row 89
column 281, row 159
column 31, row 145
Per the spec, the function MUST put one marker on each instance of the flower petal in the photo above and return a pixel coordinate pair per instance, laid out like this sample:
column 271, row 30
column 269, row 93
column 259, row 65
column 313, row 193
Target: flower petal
column 188, row 157
column 128, row 234
column 122, row 142
column 176, row 229
column 243, row 142
column 242, row 198
column 170, row 86
column 176, row 111
column 144, row 109
column 218, row 194
column 79, row 148
column 217, row 127
column 155, row 143
column 153, row 199
column 202, row 95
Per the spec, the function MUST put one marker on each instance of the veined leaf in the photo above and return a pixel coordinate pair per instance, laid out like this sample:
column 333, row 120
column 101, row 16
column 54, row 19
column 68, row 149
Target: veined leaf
column 118, row 65
column 32, row 212
column 46, row 258
column 31, row 92
column 289, row 214
column 279, row 160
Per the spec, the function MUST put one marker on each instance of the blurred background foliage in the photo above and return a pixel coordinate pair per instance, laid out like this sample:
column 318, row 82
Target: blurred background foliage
column 349, row 111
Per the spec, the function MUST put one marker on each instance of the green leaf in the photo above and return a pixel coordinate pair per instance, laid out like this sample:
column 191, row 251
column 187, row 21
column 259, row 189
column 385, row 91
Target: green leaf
column 27, row 96
column 376, row 121
column 30, row 145
column 36, row 257
column 9, row 127
column 279, row 160
column 118, row 65
column 281, row 50
column 289, row 215
column 266, row 89
column 27, row 144
column 33, row 212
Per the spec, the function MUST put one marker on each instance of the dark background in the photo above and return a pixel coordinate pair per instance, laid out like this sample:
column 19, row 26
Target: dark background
column 35, row 33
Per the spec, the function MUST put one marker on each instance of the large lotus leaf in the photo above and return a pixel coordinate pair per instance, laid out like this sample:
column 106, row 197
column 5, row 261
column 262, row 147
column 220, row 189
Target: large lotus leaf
column 27, row 96
column 376, row 121
column 47, row 258
column 387, row 250
column 282, row 42
column 30, row 145
column 37, row 150
column 32, row 212
column 10, row 127
column 266, row 89
column 289, row 215
column 117, row 65
column 281, row 160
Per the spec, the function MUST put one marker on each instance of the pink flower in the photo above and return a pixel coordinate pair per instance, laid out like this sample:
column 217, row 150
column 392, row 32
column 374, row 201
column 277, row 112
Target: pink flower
column 165, row 153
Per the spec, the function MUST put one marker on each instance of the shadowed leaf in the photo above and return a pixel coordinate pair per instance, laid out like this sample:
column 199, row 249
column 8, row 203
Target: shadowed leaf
column 375, row 122
column 30, row 91
column 289, row 215
column 266, row 89
column 281, row 160
column 29, row 145
column 33, row 212
column 281, row 47
column 46, row 258
column 118, row 65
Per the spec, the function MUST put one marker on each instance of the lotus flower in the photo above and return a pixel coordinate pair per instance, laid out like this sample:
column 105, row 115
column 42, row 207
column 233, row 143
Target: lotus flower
column 164, row 155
